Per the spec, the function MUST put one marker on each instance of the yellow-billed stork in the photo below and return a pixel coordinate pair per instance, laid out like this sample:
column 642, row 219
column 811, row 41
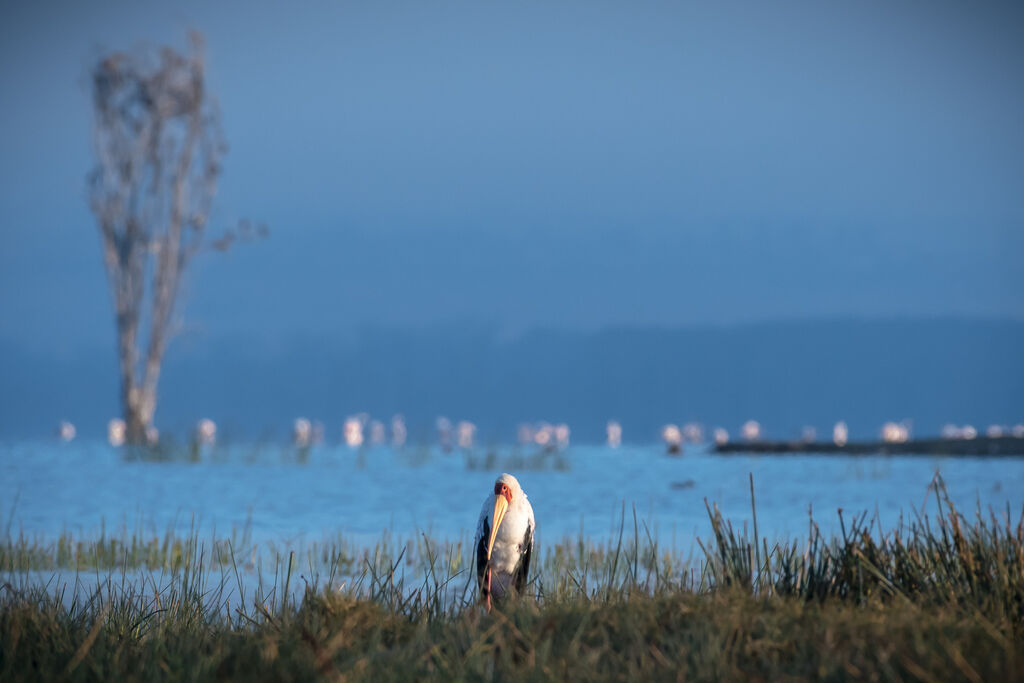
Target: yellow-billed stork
column 504, row 540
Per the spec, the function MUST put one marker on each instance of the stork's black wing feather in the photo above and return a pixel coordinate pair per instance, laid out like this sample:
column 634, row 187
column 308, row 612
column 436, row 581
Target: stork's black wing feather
column 481, row 557
column 523, row 571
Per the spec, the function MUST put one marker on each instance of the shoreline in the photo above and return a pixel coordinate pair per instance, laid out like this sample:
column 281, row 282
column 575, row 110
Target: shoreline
column 1009, row 446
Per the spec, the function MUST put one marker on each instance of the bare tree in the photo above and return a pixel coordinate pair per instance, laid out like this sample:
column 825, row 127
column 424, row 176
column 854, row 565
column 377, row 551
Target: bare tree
column 159, row 147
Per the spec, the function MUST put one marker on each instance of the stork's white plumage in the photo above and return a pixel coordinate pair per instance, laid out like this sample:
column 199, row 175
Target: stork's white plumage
column 504, row 540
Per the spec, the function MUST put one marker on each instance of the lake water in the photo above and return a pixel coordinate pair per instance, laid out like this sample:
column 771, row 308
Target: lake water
column 47, row 488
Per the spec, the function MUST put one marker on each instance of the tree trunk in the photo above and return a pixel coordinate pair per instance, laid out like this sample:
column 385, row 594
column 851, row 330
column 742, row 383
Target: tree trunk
column 137, row 418
column 159, row 146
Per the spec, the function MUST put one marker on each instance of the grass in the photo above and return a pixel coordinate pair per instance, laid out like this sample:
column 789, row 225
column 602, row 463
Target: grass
column 941, row 597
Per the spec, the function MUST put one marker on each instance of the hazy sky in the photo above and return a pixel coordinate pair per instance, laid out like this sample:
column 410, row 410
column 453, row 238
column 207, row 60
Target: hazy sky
column 575, row 164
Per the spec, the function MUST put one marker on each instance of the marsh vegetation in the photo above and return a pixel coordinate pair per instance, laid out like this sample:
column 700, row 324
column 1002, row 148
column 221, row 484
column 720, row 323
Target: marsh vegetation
column 939, row 597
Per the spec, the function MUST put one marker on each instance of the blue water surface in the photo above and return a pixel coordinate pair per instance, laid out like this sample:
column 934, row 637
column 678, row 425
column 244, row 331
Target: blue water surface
column 47, row 488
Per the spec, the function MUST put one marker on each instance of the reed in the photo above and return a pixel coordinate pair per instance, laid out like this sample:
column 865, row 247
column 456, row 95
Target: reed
column 940, row 597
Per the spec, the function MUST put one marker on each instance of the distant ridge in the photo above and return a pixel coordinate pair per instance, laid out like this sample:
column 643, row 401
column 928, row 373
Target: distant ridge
column 783, row 374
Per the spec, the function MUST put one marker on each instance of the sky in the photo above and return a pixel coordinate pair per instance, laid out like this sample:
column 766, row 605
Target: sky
column 573, row 165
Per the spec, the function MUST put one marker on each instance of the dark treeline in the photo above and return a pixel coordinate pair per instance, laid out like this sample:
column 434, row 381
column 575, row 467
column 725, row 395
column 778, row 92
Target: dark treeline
column 784, row 374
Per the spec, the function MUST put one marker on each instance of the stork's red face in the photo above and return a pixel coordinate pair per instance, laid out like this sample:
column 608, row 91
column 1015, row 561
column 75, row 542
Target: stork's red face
column 502, row 499
column 501, row 489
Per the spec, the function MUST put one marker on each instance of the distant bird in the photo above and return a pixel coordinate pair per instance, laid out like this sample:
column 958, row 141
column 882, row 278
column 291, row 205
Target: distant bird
column 465, row 431
column 378, row 434
column 66, row 431
column 398, row 431
column 751, row 430
column 544, row 436
column 504, row 540
column 444, row 433
column 352, row 432
column 614, row 430
column 116, row 431
column 893, row 432
column 693, row 432
column 673, row 439
column 562, row 433
column 302, row 432
column 840, row 433
column 206, row 432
